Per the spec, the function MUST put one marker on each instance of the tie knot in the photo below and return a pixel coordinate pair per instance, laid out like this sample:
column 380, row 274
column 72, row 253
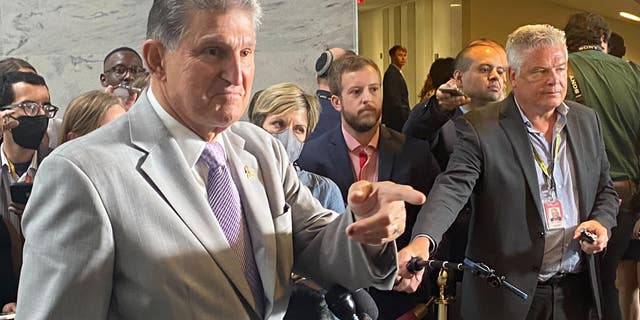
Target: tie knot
column 213, row 155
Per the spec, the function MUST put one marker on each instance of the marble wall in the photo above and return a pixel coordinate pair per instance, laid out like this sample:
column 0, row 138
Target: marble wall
column 66, row 40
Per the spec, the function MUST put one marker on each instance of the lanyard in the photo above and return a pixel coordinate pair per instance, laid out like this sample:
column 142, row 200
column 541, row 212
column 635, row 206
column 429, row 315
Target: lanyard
column 548, row 172
column 12, row 169
column 14, row 173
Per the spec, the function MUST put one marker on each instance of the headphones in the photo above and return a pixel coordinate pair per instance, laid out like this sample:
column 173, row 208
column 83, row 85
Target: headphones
column 323, row 63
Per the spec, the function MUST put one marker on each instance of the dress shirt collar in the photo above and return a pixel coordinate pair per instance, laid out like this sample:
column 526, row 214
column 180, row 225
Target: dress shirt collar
column 190, row 143
column 353, row 144
column 562, row 110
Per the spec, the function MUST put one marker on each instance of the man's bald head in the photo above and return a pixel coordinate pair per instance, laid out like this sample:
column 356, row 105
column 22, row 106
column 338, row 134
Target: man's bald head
column 323, row 63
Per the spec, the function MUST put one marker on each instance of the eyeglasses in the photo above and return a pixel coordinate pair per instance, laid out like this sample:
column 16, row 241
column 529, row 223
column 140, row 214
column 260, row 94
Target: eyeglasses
column 120, row 70
column 32, row 109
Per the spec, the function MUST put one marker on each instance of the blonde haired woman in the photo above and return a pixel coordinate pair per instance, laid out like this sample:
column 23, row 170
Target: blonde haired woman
column 88, row 112
column 290, row 115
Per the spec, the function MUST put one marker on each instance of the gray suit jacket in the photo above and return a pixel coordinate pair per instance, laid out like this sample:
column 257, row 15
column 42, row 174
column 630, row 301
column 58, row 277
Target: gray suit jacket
column 116, row 228
column 493, row 159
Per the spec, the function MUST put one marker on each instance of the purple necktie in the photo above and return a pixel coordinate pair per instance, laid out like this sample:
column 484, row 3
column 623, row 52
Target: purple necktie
column 225, row 203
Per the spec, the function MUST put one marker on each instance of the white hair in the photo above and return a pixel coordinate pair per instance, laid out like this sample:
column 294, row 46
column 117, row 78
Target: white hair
column 526, row 38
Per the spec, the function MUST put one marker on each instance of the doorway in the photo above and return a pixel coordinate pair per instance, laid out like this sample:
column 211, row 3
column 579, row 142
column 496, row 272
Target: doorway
column 427, row 28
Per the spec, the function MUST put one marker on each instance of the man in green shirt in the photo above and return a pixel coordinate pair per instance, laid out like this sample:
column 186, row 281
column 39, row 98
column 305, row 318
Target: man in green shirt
column 611, row 87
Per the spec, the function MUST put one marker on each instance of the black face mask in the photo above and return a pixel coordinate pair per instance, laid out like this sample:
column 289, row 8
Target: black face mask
column 29, row 133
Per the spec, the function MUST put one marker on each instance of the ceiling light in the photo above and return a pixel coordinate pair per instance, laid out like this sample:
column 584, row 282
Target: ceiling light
column 455, row 5
column 629, row 16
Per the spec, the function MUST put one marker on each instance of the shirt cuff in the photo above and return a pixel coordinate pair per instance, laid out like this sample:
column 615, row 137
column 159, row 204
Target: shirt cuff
column 432, row 243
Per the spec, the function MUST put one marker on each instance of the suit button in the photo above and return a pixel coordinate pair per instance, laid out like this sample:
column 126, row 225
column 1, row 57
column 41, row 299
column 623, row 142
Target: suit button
column 541, row 234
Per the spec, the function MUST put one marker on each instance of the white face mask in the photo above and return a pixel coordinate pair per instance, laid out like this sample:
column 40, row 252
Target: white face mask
column 291, row 144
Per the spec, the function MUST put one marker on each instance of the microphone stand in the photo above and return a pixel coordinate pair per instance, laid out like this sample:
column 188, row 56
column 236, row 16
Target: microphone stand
column 440, row 299
column 483, row 271
column 443, row 301
column 480, row 270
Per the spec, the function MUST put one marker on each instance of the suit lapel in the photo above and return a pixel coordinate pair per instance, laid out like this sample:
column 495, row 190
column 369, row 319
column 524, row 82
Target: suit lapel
column 340, row 157
column 388, row 151
column 512, row 124
column 244, row 169
column 575, row 143
column 166, row 169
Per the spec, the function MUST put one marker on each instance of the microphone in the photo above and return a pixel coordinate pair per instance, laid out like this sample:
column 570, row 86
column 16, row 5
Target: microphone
column 366, row 308
column 340, row 302
column 417, row 313
column 346, row 305
column 416, row 264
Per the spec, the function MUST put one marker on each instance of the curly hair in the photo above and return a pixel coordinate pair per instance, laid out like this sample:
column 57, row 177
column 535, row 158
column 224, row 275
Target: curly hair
column 586, row 28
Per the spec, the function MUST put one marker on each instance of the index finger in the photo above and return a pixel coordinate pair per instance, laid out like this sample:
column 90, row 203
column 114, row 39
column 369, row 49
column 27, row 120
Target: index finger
column 400, row 192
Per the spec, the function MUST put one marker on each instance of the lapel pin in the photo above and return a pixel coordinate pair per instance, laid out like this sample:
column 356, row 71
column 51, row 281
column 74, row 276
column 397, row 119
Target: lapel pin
column 249, row 172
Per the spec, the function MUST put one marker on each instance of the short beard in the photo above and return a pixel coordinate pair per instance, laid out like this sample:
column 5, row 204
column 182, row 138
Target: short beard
column 360, row 125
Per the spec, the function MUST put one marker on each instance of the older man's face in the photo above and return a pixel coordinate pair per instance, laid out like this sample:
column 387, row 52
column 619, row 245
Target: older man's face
column 542, row 80
column 207, row 79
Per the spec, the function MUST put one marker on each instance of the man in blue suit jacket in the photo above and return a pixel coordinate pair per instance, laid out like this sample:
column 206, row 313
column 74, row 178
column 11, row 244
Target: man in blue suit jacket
column 362, row 149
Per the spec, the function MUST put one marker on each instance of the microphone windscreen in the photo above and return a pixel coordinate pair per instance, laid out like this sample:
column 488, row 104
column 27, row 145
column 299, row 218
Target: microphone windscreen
column 340, row 302
column 365, row 304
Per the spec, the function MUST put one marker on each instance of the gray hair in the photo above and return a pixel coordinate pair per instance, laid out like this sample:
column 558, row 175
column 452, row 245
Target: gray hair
column 169, row 18
column 530, row 37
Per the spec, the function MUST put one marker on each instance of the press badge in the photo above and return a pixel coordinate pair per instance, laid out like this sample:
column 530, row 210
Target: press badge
column 553, row 213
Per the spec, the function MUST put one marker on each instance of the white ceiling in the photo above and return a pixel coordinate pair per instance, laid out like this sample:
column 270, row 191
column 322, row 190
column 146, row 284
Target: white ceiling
column 607, row 8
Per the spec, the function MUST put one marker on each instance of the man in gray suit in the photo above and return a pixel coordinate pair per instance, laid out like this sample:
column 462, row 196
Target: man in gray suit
column 176, row 210
column 547, row 156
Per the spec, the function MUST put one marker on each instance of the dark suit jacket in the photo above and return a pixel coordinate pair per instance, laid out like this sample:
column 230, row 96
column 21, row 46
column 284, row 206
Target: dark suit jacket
column 427, row 122
column 329, row 116
column 8, row 281
column 492, row 158
column 401, row 159
column 395, row 99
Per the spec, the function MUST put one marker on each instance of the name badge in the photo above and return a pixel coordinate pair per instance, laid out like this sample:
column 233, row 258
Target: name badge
column 554, row 214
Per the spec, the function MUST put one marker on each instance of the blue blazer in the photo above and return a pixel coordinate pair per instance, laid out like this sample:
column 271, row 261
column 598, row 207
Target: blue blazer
column 401, row 159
